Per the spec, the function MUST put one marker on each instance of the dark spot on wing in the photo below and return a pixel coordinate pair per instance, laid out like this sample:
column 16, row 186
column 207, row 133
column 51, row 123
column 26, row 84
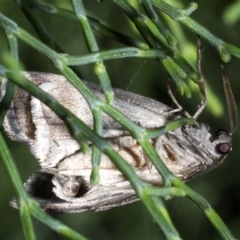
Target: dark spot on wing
column 171, row 156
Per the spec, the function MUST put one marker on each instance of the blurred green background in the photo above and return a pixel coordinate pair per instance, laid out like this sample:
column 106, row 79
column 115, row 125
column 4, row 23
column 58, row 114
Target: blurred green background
column 220, row 187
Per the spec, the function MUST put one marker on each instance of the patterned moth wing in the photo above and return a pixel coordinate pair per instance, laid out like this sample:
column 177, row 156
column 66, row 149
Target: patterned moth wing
column 63, row 183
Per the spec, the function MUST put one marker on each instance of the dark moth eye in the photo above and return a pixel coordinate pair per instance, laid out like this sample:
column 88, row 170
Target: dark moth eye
column 223, row 148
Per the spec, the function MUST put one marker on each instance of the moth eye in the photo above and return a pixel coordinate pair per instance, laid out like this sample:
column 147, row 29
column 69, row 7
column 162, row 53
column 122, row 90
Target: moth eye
column 223, row 148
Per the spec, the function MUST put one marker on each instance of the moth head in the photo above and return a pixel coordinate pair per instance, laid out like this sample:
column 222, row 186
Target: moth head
column 221, row 137
column 223, row 141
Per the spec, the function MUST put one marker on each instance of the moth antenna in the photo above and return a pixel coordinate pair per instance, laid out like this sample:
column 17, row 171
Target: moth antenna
column 231, row 103
column 201, row 84
column 201, row 87
column 199, row 69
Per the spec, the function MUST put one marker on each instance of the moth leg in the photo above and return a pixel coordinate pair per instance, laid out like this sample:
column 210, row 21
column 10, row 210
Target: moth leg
column 201, row 84
column 201, row 87
column 179, row 107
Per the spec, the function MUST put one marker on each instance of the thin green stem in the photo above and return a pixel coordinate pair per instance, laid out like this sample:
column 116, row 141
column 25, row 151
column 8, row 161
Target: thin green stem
column 55, row 225
column 206, row 207
column 16, row 181
column 96, row 153
column 113, row 54
column 93, row 47
column 182, row 16
column 7, row 99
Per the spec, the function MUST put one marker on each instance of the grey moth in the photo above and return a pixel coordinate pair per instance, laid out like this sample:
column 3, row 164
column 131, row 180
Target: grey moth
column 63, row 183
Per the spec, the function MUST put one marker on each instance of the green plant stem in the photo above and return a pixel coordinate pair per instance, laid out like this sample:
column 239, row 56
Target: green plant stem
column 206, row 207
column 113, row 54
column 16, row 181
column 225, row 50
column 7, row 99
column 93, row 47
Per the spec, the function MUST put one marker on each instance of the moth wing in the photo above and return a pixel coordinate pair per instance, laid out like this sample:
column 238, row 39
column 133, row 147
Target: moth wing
column 31, row 122
column 98, row 198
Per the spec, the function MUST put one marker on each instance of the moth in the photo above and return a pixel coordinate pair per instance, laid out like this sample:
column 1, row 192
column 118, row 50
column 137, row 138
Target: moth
column 63, row 183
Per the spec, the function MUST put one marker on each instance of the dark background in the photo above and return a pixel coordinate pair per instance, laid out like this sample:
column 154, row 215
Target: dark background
column 220, row 187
